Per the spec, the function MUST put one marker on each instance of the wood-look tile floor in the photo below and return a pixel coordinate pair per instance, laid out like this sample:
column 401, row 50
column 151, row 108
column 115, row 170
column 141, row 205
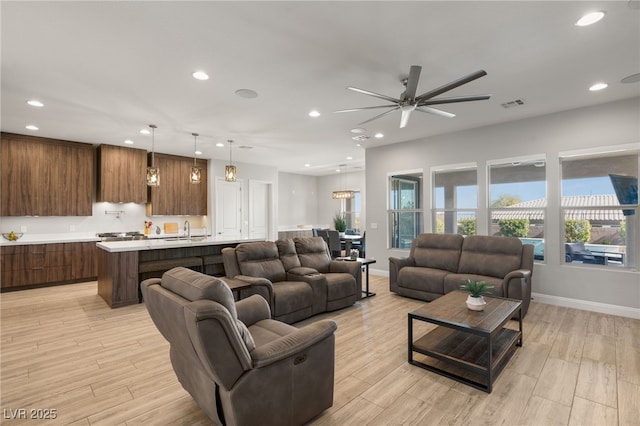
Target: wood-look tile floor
column 63, row 349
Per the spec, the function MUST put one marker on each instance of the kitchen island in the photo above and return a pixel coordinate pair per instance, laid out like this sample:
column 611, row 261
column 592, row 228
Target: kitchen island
column 123, row 264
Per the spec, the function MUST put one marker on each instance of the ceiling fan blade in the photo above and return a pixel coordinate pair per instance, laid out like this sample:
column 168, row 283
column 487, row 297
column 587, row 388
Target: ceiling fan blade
column 454, row 100
column 365, row 108
column 412, row 82
column 449, row 86
column 377, row 95
column 380, row 115
column 434, row 111
column 404, row 120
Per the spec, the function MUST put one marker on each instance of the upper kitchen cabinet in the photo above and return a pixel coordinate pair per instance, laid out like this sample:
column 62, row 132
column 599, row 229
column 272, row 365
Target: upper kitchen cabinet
column 121, row 174
column 176, row 195
column 45, row 177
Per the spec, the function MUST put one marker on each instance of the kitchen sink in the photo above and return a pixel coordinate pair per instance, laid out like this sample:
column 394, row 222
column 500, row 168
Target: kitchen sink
column 121, row 236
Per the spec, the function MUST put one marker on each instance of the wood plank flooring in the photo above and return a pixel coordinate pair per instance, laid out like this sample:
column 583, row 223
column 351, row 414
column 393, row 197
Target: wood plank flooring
column 62, row 348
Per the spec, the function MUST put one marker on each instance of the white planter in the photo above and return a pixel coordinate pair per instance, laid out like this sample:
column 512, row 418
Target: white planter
column 476, row 303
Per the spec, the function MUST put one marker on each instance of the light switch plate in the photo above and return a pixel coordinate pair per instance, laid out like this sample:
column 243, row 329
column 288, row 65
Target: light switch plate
column 374, row 226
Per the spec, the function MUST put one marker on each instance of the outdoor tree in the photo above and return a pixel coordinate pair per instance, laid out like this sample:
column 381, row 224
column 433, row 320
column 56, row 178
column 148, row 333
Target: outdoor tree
column 514, row 227
column 439, row 226
column 467, row 226
column 506, row 200
column 577, row 230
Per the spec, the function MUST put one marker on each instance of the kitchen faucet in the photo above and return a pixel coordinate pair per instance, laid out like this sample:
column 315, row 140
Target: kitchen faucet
column 187, row 228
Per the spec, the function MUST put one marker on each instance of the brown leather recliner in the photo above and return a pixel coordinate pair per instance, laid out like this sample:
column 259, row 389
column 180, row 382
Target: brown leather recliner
column 240, row 366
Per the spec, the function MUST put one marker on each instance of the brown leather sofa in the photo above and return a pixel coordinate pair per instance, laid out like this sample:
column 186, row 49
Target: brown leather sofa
column 296, row 276
column 440, row 263
column 240, row 366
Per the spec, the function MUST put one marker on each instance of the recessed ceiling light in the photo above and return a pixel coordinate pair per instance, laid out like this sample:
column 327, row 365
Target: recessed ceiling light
column 145, row 132
column 314, row 114
column 129, row 142
column 220, row 145
column 358, row 130
column 349, row 158
column 598, row 86
column 198, row 152
column 247, row 93
column 200, row 75
column 35, row 103
column 31, row 127
column 358, row 144
column 307, row 165
column 590, row 18
column 337, row 170
column 379, row 135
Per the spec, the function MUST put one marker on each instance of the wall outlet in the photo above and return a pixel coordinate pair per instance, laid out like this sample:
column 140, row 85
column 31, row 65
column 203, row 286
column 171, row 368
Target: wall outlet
column 23, row 228
column 374, row 226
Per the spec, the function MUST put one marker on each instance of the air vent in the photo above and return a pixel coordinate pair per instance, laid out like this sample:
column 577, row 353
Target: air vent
column 360, row 138
column 517, row 102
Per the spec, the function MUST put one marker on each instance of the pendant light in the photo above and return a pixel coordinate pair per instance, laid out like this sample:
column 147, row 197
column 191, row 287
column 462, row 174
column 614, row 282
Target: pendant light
column 195, row 174
column 230, row 172
column 343, row 194
column 153, row 173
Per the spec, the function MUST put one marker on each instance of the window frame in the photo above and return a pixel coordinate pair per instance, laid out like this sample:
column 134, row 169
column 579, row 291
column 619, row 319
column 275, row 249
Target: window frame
column 452, row 168
column 392, row 212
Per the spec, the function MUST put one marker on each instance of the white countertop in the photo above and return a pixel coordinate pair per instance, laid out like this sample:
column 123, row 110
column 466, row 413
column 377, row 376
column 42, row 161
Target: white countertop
column 77, row 237
column 160, row 243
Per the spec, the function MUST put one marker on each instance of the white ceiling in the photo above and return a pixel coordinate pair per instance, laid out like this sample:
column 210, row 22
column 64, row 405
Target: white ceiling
column 105, row 70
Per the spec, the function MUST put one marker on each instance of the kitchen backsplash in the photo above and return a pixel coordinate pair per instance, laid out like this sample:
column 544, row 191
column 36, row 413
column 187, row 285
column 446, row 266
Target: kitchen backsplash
column 107, row 217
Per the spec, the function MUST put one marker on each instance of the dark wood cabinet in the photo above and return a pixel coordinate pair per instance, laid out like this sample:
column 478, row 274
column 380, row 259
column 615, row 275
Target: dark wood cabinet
column 121, row 174
column 176, row 195
column 38, row 264
column 45, row 177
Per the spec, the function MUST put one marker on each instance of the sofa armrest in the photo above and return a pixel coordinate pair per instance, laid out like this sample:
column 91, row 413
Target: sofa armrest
column 259, row 285
column 395, row 264
column 302, row 270
column 253, row 309
column 517, row 285
column 349, row 267
column 293, row 343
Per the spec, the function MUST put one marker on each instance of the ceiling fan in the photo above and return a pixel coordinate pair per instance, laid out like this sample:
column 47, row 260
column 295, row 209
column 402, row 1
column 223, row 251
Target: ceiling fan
column 409, row 102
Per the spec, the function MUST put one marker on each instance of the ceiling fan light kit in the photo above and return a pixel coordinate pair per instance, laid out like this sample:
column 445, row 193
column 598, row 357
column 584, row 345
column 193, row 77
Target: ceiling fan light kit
column 409, row 102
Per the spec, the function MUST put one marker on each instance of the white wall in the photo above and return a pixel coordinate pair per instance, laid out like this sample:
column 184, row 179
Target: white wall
column 327, row 206
column 599, row 126
column 297, row 200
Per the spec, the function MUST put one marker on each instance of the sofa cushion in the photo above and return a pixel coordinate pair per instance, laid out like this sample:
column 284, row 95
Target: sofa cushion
column 288, row 255
column 454, row 281
column 490, row 256
column 439, row 251
column 292, row 296
column 313, row 253
column 340, row 285
column 260, row 259
column 424, row 279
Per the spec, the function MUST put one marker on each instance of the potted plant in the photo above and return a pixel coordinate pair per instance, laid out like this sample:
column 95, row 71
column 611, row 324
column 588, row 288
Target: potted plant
column 340, row 222
column 475, row 301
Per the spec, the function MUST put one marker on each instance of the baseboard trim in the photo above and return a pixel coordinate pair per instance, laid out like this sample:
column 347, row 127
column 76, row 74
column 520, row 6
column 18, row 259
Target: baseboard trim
column 586, row 305
column 379, row 272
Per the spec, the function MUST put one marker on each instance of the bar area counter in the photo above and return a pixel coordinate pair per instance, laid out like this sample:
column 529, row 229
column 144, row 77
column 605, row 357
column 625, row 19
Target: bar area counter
column 122, row 265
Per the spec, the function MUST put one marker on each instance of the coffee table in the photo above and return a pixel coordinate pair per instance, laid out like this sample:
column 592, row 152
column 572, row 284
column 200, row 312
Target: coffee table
column 468, row 346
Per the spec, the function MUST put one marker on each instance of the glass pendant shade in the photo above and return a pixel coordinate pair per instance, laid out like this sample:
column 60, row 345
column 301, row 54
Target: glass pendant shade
column 153, row 173
column 230, row 173
column 153, row 176
column 195, row 175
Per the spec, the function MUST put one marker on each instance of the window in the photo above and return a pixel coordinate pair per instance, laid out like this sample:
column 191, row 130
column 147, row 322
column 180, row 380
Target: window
column 599, row 207
column 351, row 209
column 518, row 201
column 455, row 200
column 405, row 209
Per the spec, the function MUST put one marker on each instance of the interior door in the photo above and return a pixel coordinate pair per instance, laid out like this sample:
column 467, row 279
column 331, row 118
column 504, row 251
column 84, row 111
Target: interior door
column 259, row 207
column 229, row 209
